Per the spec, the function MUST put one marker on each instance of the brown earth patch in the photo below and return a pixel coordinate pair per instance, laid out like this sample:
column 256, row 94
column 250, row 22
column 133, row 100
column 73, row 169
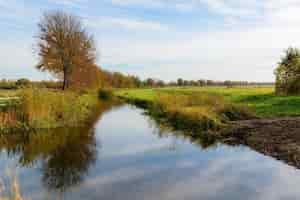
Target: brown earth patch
column 279, row 138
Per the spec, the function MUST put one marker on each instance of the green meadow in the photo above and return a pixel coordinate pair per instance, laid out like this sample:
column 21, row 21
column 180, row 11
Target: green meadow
column 260, row 100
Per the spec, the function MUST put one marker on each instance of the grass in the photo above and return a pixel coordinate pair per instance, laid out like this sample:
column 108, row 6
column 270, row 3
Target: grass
column 42, row 108
column 187, row 109
column 261, row 100
column 6, row 96
column 8, row 93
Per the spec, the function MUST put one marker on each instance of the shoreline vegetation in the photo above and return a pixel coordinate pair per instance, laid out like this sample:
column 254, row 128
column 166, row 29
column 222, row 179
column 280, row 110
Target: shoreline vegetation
column 261, row 101
column 254, row 117
column 32, row 109
column 186, row 109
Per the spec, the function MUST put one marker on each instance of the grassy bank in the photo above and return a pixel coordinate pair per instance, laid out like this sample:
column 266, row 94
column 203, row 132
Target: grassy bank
column 262, row 101
column 6, row 96
column 8, row 93
column 42, row 108
column 187, row 110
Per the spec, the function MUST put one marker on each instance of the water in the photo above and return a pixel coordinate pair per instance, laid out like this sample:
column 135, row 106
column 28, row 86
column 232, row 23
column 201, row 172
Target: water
column 128, row 157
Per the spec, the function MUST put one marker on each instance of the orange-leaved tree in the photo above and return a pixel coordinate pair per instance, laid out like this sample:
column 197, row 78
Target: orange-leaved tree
column 64, row 45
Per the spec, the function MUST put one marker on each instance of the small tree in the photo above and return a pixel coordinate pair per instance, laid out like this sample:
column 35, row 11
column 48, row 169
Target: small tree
column 64, row 45
column 210, row 83
column 201, row 82
column 23, row 82
column 150, row 82
column 180, row 82
column 288, row 73
column 228, row 83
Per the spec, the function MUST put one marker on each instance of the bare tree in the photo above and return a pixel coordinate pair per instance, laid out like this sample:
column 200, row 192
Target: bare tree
column 64, row 45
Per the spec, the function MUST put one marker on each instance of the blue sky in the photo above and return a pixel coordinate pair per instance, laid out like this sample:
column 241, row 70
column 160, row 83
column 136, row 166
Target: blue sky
column 165, row 39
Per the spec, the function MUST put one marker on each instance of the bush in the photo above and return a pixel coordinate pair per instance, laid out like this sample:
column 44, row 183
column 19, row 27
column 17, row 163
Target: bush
column 23, row 83
column 105, row 94
column 287, row 73
column 8, row 85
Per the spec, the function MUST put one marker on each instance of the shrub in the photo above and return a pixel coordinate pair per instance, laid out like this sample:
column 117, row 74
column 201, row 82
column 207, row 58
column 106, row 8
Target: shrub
column 287, row 73
column 105, row 94
column 8, row 85
column 23, row 83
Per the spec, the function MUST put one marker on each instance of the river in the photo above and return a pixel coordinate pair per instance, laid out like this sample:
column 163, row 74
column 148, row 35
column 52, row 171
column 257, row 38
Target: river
column 127, row 156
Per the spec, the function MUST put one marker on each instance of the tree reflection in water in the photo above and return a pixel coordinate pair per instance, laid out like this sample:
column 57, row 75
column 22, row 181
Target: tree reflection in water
column 205, row 140
column 67, row 164
column 64, row 155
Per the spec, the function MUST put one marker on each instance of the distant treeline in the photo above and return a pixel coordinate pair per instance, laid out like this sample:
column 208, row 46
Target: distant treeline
column 203, row 83
column 105, row 79
column 25, row 83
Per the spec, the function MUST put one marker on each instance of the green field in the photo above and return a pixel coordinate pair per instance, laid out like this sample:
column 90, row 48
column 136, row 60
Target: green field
column 261, row 100
column 8, row 93
column 6, row 96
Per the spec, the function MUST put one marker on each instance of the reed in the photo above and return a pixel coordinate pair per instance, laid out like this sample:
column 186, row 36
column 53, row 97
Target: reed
column 11, row 191
column 42, row 108
column 194, row 112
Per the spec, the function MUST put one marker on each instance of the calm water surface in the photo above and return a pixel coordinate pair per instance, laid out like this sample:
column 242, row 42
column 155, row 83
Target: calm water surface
column 127, row 157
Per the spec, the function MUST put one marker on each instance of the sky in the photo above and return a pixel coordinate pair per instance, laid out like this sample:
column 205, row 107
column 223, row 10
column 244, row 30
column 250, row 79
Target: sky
column 163, row 39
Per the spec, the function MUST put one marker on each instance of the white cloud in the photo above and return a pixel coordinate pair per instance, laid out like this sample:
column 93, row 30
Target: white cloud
column 247, row 48
column 214, row 55
column 284, row 184
column 145, row 3
column 185, row 7
column 179, row 5
column 127, row 23
column 244, row 42
column 69, row 3
column 233, row 7
column 18, row 61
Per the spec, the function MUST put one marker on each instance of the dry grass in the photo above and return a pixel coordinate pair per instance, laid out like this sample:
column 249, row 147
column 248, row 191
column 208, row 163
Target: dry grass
column 42, row 108
column 48, row 109
column 12, row 192
column 262, row 100
column 193, row 111
column 201, row 105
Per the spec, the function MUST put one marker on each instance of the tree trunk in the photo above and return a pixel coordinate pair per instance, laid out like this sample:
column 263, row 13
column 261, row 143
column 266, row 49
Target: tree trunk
column 65, row 82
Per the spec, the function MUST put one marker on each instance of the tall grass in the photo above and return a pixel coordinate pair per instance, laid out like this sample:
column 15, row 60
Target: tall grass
column 261, row 100
column 196, row 111
column 11, row 191
column 48, row 109
column 199, row 110
column 42, row 108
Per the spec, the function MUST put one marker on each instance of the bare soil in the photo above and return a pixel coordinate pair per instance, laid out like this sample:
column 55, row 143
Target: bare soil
column 279, row 138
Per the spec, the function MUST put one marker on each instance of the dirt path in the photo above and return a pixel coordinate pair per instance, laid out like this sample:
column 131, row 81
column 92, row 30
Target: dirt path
column 279, row 138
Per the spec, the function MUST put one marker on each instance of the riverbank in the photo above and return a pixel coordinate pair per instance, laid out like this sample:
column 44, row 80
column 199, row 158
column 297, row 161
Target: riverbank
column 44, row 109
column 192, row 112
column 261, row 100
column 265, row 122
column 277, row 137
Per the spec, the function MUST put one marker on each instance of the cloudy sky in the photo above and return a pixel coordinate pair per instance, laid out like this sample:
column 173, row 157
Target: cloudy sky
column 166, row 39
